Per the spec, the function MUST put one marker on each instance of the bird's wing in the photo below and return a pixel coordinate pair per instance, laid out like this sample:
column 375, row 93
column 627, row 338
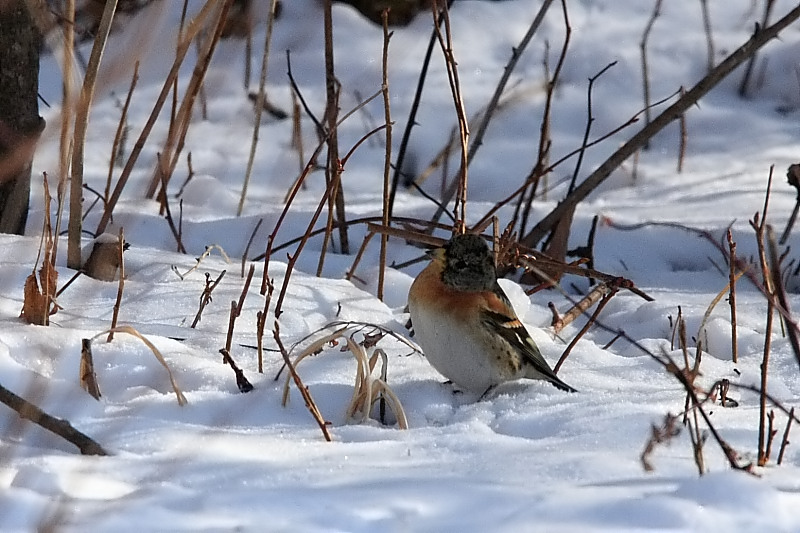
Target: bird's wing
column 502, row 319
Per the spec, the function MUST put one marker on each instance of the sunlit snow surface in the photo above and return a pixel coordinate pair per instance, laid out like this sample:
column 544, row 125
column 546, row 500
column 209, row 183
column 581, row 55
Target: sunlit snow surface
column 528, row 458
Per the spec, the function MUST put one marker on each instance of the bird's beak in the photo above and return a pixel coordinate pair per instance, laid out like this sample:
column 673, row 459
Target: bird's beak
column 436, row 254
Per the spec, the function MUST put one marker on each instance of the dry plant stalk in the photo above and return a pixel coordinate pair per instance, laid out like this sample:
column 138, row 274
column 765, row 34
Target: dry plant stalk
column 771, row 432
column 748, row 72
column 131, row 331
column 261, row 321
column 236, row 308
column 606, row 298
column 691, row 405
column 557, row 245
column 260, row 100
column 709, row 35
column 246, row 252
column 732, row 277
column 759, row 225
column 121, row 286
column 387, row 162
column 351, row 273
column 684, row 377
column 333, row 168
column 446, row 44
column 683, row 139
column 205, row 297
column 532, row 177
column 242, row 382
column 163, row 198
column 367, row 390
column 330, row 190
column 116, row 148
column 643, row 50
column 785, row 440
column 58, row 426
column 597, row 294
column 411, row 121
column 67, row 106
column 79, row 136
column 728, row 289
column 236, row 311
column 373, row 222
column 310, row 404
column 782, row 304
column 297, row 135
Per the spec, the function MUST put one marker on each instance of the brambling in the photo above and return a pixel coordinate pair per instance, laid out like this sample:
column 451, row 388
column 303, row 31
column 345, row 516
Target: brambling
column 465, row 324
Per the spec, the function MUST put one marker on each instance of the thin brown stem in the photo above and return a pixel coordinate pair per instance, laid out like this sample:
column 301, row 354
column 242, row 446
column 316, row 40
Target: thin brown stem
column 683, row 139
column 120, row 287
column 205, row 297
column 67, row 109
column 744, row 86
column 387, row 162
column 261, row 321
column 584, row 329
column 709, row 35
column 260, row 98
column 58, row 426
column 760, row 228
column 310, row 404
column 250, row 242
column 785, row 439
column 643, row 51
column 121, row 128
column 79, row 136
column 732, row 277
column 446, row 44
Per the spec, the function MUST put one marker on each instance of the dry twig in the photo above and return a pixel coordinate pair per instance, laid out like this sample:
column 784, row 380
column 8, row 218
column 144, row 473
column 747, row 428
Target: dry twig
column 120, row 287
column 310, row 404
column 58, row 426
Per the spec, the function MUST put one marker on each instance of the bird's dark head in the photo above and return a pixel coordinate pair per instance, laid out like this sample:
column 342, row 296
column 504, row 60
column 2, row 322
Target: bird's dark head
column 468, row 264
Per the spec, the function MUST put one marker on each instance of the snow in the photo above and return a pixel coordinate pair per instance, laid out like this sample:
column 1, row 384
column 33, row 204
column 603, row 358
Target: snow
column 529, row 457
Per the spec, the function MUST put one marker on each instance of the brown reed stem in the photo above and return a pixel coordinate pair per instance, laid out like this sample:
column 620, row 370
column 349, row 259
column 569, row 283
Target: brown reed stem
column 732, row 277
column 260, row 98
column 120, row 287
column 387, row 162
column 79, row 136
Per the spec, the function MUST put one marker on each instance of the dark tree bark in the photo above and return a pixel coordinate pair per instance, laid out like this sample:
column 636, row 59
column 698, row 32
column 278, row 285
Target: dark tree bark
column 20, row 123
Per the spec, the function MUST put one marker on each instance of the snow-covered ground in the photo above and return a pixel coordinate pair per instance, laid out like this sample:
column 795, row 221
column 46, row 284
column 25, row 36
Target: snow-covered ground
column 528, row 458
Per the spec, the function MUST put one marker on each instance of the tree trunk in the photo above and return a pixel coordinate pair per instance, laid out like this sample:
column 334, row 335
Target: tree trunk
column 20, row 123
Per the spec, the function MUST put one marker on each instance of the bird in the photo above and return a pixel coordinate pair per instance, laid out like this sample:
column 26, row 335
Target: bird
column 465, row 324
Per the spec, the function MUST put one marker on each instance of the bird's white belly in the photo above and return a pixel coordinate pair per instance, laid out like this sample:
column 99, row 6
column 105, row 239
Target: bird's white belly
column 461, row 358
